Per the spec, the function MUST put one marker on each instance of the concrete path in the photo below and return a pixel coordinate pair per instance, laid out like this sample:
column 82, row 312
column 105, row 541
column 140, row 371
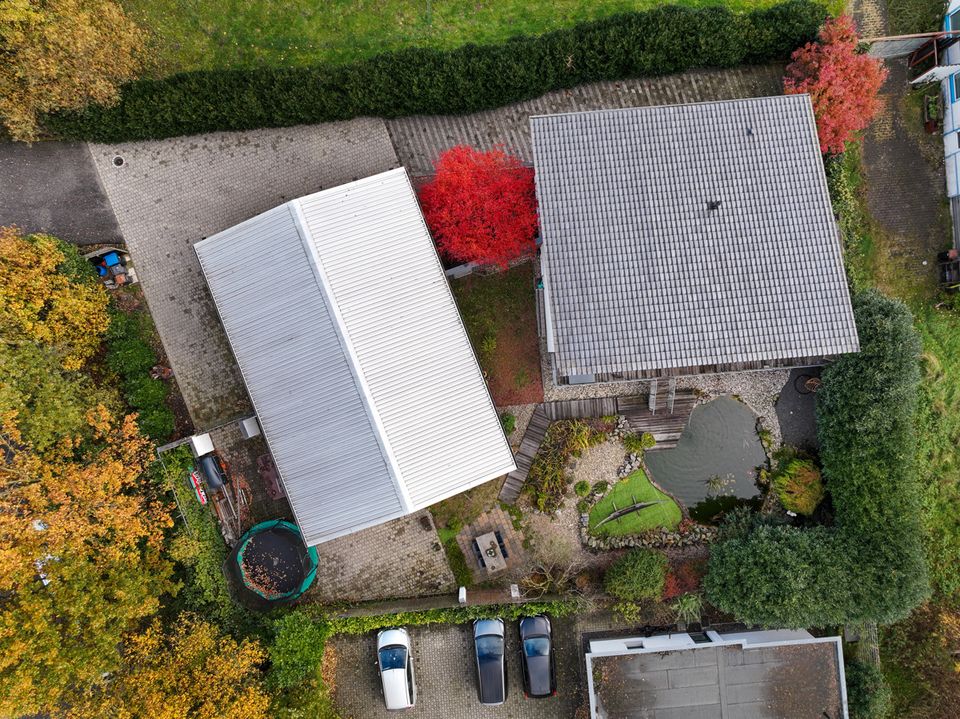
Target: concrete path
column 169, row 194
column 53, row 187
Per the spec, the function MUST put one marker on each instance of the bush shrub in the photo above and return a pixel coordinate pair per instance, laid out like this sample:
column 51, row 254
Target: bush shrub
column 798, row 485
column 297, row 648
column 417, row 81
column 601, row 486
column 871, row 565
column 868, row 694
column 508, row 422
column 582, row 488
column 639, row 443
column 130, row 355
column 639, row 574
column 547, row 480
column 452, row 615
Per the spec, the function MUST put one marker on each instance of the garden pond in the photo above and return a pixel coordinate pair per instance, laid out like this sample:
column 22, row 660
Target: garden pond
column 714, row 464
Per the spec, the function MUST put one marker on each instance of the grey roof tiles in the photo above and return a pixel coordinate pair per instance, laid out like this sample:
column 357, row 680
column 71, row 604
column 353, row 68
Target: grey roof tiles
column 640, row 274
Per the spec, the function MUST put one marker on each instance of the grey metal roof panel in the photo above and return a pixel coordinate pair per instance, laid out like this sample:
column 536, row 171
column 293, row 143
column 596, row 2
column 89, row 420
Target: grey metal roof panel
column 641, row 275
column 350, row 344
column 295, row 369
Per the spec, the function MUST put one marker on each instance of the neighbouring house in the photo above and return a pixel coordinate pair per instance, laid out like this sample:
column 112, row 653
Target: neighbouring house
column 772, row 674
column 354, row 354
column 687, row 239
column 948, row 72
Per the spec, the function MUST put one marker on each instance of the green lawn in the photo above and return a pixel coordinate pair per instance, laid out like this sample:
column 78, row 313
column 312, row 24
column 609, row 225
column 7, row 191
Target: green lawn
column 637, row 488
column 199, row 34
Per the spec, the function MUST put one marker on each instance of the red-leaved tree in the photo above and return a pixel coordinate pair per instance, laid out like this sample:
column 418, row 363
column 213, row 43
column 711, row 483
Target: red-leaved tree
column 842, row 83
column 481, row 206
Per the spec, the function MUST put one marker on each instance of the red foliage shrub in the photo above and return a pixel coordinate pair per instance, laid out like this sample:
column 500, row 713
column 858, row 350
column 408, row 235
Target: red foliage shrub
column 842, row 83
column 683, row 578
column 481, row 206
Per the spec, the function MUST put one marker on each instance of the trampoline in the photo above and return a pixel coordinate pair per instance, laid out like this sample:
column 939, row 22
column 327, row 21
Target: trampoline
column 272, row 564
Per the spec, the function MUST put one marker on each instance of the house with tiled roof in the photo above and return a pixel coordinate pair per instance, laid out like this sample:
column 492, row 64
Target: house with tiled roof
column 687, row 239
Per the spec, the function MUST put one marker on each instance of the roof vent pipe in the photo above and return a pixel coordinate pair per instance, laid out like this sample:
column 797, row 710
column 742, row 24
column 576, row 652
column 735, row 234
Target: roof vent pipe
column 713, row 205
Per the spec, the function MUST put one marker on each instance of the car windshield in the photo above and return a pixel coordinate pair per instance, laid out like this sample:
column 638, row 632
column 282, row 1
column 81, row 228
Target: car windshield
column 489, row 647
column 393, row 658
column 536, row 647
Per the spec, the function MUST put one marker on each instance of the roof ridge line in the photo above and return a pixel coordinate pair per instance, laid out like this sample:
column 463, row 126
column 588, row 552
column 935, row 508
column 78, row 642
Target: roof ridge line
column 393, row 467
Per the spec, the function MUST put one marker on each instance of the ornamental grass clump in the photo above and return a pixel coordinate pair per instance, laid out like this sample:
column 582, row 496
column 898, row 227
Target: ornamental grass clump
column 799, row 486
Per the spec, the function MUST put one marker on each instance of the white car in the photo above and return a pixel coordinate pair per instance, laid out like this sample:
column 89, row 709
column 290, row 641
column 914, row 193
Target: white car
column 395, row 664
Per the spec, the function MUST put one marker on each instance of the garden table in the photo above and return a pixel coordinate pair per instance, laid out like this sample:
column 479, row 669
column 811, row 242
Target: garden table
column 493, row 559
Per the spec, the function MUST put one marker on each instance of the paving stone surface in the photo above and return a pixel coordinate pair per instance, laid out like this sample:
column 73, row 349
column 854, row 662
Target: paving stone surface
column 419, row 140
column 446, row 676
column 169, row 194
column 402, row 558
column 494, row 520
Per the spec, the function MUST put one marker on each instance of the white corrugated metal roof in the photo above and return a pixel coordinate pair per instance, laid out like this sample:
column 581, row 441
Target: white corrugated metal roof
column 355, row 356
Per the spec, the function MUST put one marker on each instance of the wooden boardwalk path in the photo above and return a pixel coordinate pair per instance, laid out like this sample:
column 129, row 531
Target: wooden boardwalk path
column 666, row 425
column 529, row 445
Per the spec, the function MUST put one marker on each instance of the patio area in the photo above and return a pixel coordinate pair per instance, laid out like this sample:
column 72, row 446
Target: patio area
column 507, row 557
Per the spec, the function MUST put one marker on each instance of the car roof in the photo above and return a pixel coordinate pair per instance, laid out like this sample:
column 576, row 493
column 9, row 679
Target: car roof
column 533, row 626
column 396, row 691
column 488, row 626
column 492, row 680
column 389, row 637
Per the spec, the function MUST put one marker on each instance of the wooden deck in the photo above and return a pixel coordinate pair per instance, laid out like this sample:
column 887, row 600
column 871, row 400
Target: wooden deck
column 665, row 421
column 665, row 425
column 577, row 408
column 529, row 445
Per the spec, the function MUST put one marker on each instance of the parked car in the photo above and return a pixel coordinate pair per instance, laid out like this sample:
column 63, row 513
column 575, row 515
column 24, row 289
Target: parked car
column 488, row 636
column 395, row 664
column 537, row 662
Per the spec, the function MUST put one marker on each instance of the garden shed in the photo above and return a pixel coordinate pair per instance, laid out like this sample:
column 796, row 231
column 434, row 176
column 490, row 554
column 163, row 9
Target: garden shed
column 688, row 239
column 355, row 356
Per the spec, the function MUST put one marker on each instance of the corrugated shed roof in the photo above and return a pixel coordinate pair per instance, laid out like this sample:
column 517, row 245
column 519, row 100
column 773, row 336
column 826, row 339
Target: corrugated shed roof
column 641, row 275
column 355, row 356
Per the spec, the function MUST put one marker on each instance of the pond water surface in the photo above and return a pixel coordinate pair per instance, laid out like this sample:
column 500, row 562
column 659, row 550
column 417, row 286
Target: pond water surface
column 720, row 440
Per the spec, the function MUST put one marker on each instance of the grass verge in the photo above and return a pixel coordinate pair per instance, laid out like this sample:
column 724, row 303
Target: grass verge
column 192, row 35
column 455, row 557
column 637, row 487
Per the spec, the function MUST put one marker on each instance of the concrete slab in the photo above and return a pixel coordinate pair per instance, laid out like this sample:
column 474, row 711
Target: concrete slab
column 53, row 187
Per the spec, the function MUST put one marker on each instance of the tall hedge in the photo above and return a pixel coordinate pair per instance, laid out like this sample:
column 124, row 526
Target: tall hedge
column 870, row 566
column 428, row 81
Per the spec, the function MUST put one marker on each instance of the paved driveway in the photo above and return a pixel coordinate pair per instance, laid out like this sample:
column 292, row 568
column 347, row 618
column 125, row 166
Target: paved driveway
column 169, row 194
column 446, row 676
column 53, row 187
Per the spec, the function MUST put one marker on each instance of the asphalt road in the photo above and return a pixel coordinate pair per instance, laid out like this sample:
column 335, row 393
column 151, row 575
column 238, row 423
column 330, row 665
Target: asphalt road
column 53, row 187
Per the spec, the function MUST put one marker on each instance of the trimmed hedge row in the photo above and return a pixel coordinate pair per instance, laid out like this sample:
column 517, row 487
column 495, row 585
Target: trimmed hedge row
column 870, row 566
column 428, row 81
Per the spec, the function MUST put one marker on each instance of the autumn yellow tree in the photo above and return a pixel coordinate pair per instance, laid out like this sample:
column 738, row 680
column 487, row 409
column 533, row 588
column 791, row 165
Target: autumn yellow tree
column 81, row 536
column 190, row 672
column 62, row 54
column 40, row 304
